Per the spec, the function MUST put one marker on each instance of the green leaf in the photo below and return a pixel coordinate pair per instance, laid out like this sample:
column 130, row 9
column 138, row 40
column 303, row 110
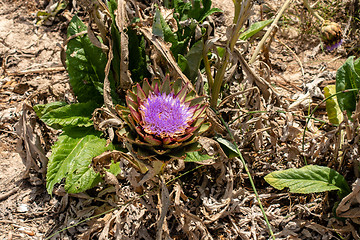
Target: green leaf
column 255, row 28
column 71, row 157
column 332, row 107
column 229, row 148
column 309, row 179
column 114, row 168
column 190, row 64
column 157, row 29
column 73, row 115
column 85, row 64
column 348, row 77
column 42, row 16
column 196, row 157
column 137, row 56
column 42, row 109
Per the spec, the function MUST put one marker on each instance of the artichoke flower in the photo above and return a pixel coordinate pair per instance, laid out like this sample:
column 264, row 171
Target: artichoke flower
column 163, row 121
column 331, row 35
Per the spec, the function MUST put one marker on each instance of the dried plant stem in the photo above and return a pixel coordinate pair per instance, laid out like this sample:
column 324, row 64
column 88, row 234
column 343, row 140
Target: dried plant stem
column 267, row 34
column 240, row 18
column 250, row 178
column 312, row 11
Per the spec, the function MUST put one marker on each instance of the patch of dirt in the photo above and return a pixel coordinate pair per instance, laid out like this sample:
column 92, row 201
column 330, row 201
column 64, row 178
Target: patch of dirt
column 25, row 210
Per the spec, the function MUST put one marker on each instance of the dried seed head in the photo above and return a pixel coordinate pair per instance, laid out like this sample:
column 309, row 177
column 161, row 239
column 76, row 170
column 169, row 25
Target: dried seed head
column 331, row 35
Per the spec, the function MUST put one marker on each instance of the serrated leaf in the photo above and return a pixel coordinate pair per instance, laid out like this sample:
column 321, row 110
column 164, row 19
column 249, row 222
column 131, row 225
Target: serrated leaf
column 71, row 157
column 228, row 147
column 42, row 109
column 255, row 28
column 196, row 157
column 85, row 64
column 347, row 77
column 309, row 179
column 332, row 106
column 73, row 115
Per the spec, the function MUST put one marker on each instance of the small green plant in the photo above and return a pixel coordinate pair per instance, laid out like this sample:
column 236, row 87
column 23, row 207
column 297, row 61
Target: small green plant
column 79, row 142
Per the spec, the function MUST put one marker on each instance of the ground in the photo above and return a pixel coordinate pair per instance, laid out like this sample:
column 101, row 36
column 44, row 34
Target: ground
column 32, row 73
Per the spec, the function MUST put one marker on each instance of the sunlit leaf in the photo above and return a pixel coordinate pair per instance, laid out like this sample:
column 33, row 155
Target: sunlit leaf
column 255, row 28
column 196, row 157
column 332, row 106
column 72, row 115
column 309, row 179
column 85, row 64
column 42, row 109
column 71, row 157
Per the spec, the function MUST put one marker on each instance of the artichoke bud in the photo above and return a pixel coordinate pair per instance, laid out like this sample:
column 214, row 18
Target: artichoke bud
column 164, row 120
column 331, row 35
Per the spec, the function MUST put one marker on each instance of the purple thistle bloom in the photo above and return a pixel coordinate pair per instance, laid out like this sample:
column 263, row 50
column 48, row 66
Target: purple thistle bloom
column 165, row 120
column 165, row 115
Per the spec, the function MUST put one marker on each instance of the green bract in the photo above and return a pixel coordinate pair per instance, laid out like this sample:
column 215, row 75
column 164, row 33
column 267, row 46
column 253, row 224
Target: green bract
column 163, row 120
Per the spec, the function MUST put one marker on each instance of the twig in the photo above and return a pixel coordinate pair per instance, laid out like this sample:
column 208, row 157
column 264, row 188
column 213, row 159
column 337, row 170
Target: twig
column 312, row 11
column 35, row 71
column 8, row 194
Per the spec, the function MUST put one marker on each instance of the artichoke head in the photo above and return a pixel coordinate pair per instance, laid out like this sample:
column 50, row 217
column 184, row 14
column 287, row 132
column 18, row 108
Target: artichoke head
column 163, row 120
column 331, row 35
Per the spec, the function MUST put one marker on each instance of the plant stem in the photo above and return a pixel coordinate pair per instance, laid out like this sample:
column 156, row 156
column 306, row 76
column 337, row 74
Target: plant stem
column 241, row 17
column 312, row 11
column 267, row 34
column 208, row 69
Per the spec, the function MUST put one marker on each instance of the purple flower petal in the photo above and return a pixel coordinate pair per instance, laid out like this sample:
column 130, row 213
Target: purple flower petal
column 165, row 115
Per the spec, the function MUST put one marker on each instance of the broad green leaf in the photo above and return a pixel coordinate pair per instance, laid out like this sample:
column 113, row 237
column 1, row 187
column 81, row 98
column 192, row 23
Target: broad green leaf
column 72, row 115
column 255, row 28
column 332, row 106
column 309, row 179
column 348, row 78
column 71, row 157
column 196, row 157
column 228, row 147
column 190, row 64
column 85, row 64
column 42, row 109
